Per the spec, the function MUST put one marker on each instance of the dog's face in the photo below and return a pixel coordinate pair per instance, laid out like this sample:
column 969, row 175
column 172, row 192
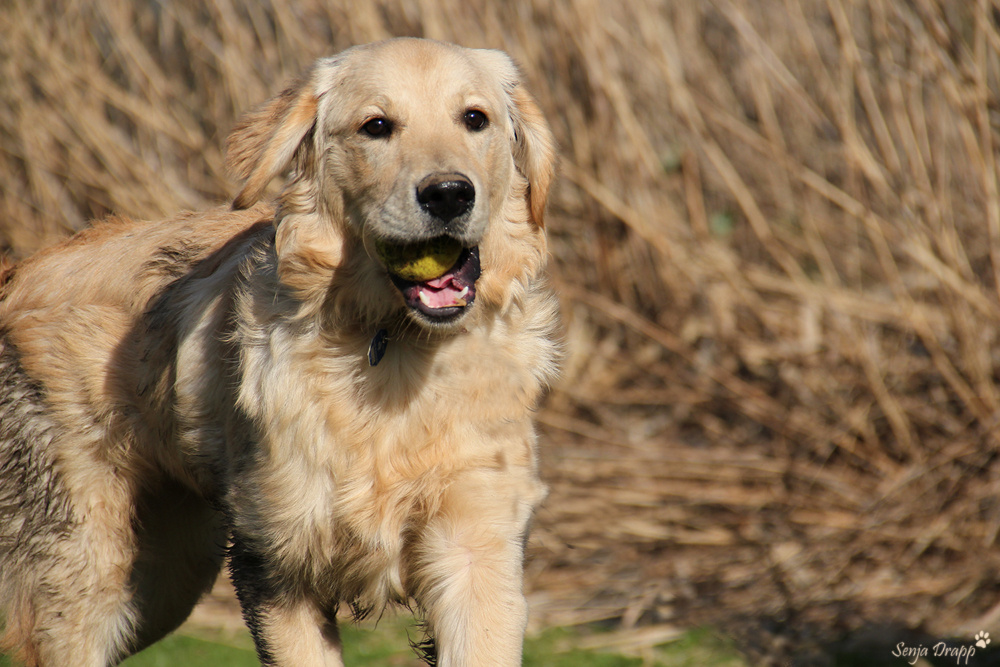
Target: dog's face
column 418, row 146
column 411, row 151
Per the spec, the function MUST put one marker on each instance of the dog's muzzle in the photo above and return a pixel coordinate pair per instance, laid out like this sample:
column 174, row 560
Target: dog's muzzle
column 447, row 296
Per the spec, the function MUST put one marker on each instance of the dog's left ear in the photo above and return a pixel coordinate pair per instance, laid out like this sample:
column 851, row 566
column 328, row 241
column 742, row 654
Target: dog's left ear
column 266, row 139
column 533, row 149
column 532, row 144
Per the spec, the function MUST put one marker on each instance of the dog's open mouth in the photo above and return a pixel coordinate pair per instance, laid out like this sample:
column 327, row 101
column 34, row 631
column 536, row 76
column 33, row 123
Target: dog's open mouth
column 446, row 296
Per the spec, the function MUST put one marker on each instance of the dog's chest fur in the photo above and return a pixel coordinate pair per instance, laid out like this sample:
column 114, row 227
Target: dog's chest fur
column 337, row 462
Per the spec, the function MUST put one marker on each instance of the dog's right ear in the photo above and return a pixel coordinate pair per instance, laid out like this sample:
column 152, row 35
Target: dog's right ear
column 266, row 139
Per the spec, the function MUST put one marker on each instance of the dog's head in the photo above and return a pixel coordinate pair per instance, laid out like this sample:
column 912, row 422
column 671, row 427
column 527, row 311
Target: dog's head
column 419, row 173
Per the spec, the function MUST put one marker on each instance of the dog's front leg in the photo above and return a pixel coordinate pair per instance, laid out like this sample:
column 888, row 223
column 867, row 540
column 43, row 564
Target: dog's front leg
column 469, row 570
column 289, row 628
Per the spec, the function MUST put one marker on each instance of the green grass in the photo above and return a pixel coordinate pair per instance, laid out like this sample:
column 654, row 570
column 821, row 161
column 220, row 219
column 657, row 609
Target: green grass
column 387, row 646
column 180, row 649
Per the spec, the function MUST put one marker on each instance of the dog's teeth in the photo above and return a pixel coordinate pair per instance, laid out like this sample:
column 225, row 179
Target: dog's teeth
column 424, row 299
column 461, row 295
column 461, row 302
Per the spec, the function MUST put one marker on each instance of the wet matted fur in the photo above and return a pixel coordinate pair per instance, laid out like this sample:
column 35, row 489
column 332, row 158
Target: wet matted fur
column 253, row 379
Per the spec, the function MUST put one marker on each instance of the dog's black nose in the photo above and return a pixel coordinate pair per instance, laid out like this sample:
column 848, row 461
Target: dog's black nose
column 446, row 196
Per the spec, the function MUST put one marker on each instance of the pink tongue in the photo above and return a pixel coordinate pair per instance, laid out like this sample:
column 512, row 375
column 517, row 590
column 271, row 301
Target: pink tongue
column 441, row 281
column 441, row 293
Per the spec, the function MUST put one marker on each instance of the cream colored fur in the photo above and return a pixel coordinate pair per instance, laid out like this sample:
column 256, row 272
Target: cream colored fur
column 170, row 386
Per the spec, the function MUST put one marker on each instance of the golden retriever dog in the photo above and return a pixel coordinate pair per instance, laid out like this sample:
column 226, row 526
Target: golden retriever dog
column 332, row 391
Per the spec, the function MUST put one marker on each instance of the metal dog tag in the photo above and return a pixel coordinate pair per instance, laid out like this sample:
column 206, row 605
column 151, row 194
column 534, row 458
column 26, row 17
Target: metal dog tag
column 377, row 349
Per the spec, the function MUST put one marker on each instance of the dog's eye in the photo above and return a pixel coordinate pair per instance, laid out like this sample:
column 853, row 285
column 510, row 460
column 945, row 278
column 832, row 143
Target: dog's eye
column 475, row 120
column 377, row 127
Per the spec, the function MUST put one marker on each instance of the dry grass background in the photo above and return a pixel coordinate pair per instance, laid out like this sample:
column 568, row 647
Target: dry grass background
column 776, row 235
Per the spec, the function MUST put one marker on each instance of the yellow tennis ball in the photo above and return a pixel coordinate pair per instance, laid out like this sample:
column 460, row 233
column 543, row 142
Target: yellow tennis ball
column 420, row 261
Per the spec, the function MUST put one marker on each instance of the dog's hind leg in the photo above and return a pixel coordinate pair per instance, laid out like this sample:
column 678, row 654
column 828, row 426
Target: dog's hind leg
column 98, row 556
column 78, row 585
column 66, row 542
column 116, row 579
column 71, row 598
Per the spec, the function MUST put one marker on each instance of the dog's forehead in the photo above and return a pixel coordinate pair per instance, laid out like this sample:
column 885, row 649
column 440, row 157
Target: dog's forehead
column 413, row 71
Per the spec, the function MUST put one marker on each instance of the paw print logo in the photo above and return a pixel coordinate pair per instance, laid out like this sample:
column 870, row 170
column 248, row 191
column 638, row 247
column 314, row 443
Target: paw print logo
column 982, row 639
